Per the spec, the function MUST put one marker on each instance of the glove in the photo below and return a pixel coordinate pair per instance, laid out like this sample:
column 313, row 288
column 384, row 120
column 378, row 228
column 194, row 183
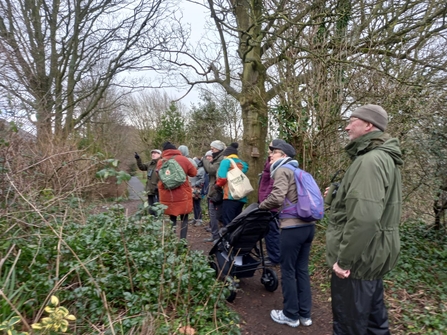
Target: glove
column 136, row 156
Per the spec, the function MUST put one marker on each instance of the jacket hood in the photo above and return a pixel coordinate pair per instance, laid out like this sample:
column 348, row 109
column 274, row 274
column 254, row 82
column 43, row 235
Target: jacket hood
column 171, row 152
column 184, row 150
column 375, row 140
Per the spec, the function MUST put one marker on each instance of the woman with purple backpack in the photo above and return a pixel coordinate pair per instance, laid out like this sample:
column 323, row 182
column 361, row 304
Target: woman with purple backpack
column 295, row 240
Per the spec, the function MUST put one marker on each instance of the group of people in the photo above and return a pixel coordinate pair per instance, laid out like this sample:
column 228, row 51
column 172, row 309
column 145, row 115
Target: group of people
column 363, row 231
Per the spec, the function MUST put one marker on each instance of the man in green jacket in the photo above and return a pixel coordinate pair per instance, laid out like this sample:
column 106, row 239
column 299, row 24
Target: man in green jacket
column 363, row 233
column 152, row 177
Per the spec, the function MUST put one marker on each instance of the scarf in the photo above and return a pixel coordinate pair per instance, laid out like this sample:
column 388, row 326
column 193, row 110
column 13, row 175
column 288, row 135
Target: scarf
column 280, row 162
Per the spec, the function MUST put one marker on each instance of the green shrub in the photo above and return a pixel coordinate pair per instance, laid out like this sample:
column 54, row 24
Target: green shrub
column 416, row 288
column 111, row 270
column 416, row 293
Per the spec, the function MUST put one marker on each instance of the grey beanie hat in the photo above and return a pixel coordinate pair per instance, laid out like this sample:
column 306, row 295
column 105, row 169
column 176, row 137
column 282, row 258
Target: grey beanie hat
column 219, row 145
column 209, row 153
column 184, row 150
column 373, row 114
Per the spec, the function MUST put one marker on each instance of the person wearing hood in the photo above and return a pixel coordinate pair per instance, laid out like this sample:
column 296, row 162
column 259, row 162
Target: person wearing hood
column 206, row 183
column 230, row 207
column 178, row 200
column 362, row 238
column 295, row 240
column 185, row 152
column 214, row 206
column 272, row 240
column 197, row 184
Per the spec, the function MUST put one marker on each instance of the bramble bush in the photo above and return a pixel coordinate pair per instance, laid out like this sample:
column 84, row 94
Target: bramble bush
column 116, row 274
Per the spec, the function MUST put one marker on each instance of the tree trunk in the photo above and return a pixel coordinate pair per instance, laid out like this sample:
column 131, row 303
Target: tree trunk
column 255, row 120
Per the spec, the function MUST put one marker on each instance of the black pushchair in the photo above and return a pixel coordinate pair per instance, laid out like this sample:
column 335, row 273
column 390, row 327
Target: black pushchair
column 238, row 252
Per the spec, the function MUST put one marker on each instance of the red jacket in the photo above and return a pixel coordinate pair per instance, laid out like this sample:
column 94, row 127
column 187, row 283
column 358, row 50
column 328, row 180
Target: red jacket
column 178, row 200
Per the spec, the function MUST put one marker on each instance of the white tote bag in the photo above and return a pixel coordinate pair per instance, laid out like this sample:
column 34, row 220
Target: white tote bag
column 238, row 182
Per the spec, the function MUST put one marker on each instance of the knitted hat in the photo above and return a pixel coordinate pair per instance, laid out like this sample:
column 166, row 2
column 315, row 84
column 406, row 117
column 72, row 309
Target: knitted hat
column 284, row 147
column 184, row 150
column 156, row 150
column 219, row 145
column 209, row 153
column 231, row 150
column 168, row 145
column 373, row 114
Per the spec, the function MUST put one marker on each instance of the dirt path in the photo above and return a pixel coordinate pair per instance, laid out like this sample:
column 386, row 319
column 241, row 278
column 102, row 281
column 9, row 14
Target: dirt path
column 254, row 302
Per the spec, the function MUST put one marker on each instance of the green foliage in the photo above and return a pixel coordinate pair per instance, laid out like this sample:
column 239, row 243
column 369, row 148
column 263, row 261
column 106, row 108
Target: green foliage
column 110, row 171
column 417, row 284
column 8, row 326
column 415, row 291
column 14, row 294
column 112, row 267
column 172, row 127
column 57, row 320
column 206, row 124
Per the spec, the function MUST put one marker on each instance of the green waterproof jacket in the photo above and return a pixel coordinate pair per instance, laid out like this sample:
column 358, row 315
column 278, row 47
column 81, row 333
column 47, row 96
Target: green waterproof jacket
column 363, row 232
column 152, row 175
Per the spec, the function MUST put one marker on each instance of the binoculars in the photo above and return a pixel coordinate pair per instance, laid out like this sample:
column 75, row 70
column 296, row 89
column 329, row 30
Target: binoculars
column 331, row 193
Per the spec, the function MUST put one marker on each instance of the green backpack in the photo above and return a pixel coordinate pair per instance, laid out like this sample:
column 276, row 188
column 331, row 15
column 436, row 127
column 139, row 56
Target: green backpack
column 171, row 174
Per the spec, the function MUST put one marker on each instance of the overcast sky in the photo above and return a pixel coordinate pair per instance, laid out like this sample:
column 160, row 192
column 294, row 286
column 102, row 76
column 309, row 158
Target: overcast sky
column 195, row 16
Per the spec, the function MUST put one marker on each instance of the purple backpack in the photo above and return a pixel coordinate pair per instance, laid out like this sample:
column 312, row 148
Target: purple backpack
column 310, row 205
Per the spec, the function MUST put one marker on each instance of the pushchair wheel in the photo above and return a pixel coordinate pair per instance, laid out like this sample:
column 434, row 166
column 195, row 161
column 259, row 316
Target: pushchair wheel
column 232, row 286
column 270, row 280
column 232, row 296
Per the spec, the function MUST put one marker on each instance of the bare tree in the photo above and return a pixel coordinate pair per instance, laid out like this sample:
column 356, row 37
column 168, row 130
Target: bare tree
column 145, row 112
column 59, row 54
column 315, row 60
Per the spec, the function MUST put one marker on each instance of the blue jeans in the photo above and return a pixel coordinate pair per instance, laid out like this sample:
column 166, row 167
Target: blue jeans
column 295, row 281
column 273, row 241
column 215, row 212
column 197, row 209
column 231, row 209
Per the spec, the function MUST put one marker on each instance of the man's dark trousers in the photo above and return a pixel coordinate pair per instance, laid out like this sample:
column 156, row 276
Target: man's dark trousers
column 358, row 307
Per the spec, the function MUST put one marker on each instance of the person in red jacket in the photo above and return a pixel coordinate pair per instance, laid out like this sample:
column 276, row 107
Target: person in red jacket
column 178, row 200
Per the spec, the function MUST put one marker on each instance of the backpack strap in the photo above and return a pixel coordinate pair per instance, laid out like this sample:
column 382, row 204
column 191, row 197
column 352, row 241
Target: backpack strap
column 287, row 204
column 289, row 166
column 233, row 163
column 164, row 159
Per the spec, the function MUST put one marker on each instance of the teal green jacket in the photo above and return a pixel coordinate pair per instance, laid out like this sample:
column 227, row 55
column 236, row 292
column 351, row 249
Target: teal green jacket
column 363, row 230
column 226, row 166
